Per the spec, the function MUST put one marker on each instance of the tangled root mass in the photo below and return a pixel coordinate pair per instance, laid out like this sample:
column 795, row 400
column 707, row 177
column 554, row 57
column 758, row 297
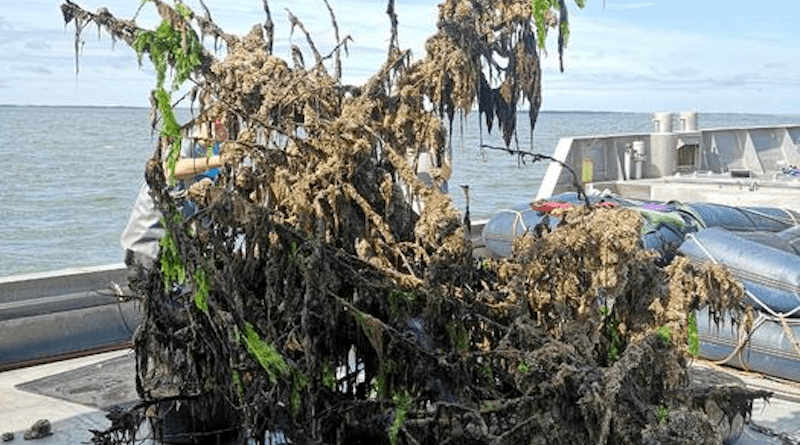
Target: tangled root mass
column 310, row 298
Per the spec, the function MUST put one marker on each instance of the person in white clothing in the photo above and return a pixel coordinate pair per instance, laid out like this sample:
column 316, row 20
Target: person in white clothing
column 141, row 236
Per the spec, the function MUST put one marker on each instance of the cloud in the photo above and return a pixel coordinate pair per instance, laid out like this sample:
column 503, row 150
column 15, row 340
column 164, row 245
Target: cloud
column 629, row 6
column 34, row 44
column 635, row 55
column 4, row 25
column 641, row 61
column 37, row 45
column 36, row 69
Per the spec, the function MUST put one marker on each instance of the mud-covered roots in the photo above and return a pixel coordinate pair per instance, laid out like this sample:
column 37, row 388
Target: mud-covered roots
column 324, row 287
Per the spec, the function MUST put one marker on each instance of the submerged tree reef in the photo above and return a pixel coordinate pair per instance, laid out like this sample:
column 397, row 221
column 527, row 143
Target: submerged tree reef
column 323, row 292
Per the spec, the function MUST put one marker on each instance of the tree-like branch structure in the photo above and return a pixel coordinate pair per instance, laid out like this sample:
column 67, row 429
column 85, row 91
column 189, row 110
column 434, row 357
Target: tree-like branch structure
column 308, row 294
column 537, row 157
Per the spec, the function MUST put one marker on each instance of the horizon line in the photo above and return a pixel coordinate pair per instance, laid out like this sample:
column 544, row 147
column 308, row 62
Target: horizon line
column 519, row 110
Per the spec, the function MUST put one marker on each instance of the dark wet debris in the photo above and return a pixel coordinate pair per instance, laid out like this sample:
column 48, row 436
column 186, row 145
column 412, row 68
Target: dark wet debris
column 40, row 429
column 307, row 296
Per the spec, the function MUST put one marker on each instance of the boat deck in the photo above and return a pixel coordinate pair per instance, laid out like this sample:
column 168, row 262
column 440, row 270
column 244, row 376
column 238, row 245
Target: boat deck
column 73, row 395
column 771, row 191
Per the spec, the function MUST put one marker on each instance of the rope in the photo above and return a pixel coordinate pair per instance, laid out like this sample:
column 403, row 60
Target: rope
column 790, row 334
column 703, row 248
column 744, row 337
column 131, row 330
column 517, row 221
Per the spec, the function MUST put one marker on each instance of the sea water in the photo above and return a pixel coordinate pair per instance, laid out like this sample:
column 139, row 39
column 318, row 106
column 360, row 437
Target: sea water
column 71, row 174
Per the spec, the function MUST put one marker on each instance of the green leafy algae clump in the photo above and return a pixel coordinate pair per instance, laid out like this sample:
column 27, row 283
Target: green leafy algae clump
column 265, row 354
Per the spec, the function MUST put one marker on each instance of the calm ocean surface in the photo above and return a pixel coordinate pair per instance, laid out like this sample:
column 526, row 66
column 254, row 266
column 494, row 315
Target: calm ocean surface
column 72, row 174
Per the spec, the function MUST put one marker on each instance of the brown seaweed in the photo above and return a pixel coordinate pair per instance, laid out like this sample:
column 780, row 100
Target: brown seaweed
column 319, row 303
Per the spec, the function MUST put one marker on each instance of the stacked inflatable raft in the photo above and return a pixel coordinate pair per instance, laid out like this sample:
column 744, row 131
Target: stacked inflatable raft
column 664, row 225
column 766, row 259
column 760, row 245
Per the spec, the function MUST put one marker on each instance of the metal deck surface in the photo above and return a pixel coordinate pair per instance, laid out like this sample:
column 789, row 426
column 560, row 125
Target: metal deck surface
column 773, row 422
column 79, row 394
column 719, row 189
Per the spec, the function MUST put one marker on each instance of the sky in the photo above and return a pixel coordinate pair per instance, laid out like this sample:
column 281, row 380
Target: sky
column 736, row 56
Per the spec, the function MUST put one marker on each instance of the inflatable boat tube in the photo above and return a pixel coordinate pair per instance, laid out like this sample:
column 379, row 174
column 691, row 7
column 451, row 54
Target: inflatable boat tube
column 501, row 229
column 769, row 349
column 792, row 238
column 770, row 276
column 55, row 315
column 780, row 241
column 745, row 219
column 664, row 226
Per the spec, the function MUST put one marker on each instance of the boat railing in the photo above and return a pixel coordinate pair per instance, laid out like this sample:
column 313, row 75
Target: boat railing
column 66, row 313
column 747, row 152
